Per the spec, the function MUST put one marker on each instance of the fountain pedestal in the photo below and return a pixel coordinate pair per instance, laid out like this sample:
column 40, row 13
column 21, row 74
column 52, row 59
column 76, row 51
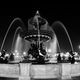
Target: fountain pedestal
column 25, row 71
column 28, row 71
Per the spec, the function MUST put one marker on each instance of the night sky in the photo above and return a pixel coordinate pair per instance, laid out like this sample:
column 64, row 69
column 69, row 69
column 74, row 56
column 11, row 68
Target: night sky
column 68, row 14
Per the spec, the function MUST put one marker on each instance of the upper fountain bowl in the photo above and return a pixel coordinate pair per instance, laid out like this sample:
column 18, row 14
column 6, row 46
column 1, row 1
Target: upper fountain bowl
column 38, row 27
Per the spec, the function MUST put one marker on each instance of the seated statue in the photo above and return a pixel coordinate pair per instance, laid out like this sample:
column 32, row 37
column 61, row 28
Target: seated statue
column 38, row 54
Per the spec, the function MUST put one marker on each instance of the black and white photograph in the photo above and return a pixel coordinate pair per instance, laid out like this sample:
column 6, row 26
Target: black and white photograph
column 40, row 43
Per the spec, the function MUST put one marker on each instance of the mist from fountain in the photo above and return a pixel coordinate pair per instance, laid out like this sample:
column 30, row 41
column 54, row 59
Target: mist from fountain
column 16, row 39
column 9, row 36
column 17, row 49
column 60, row 41
column 52, row 46
column 62, row 36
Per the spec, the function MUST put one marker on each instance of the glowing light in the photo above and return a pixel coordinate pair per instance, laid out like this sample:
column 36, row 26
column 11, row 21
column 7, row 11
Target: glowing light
column 67, row 54
column 62, row 54
column 7, row 55
column 79, row 47
column 14, row 54
column 53, row 46
column 16, row 51
column 75, row 54
column 0, row 53
column 24, row 53
column 49, row 50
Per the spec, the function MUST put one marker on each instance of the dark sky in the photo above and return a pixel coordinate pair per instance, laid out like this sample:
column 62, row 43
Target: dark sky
column 69, row 15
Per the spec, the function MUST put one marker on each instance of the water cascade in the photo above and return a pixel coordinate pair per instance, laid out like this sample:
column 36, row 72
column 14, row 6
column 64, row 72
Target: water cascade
column 62, row 36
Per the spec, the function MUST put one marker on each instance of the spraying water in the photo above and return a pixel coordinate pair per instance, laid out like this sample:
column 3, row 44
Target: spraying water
column 52, row 47
column 62, row 36
column 18, row 48
column 15, row 38
column 18, row 45
column 13, row 26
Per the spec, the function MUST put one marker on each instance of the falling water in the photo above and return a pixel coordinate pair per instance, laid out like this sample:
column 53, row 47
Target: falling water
column 53, row 45
column 18, row 45
column 18, row 48
column 26, row 46
column 62, row 36
column 16, row 39
column 14, row 24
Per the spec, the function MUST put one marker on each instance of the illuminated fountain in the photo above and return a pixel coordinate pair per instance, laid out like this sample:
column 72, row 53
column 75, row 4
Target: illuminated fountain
column 49, row 40
column 40, row 43
column 18, row 48
column 63, row 37
column 17, row 22
column 12, row 41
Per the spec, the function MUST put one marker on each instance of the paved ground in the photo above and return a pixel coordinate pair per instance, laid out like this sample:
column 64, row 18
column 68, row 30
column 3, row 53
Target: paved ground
column 31, row 79
column 74, row 78
column 46, row 79
column 2, row 78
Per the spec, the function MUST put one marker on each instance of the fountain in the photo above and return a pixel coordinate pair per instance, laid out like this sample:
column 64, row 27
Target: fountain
column 17, row 22
column 52, row 37
column 34, row 49
column 62, row 36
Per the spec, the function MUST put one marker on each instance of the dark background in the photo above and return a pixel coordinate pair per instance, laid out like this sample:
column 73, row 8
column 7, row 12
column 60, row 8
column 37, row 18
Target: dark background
column 68, row 14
